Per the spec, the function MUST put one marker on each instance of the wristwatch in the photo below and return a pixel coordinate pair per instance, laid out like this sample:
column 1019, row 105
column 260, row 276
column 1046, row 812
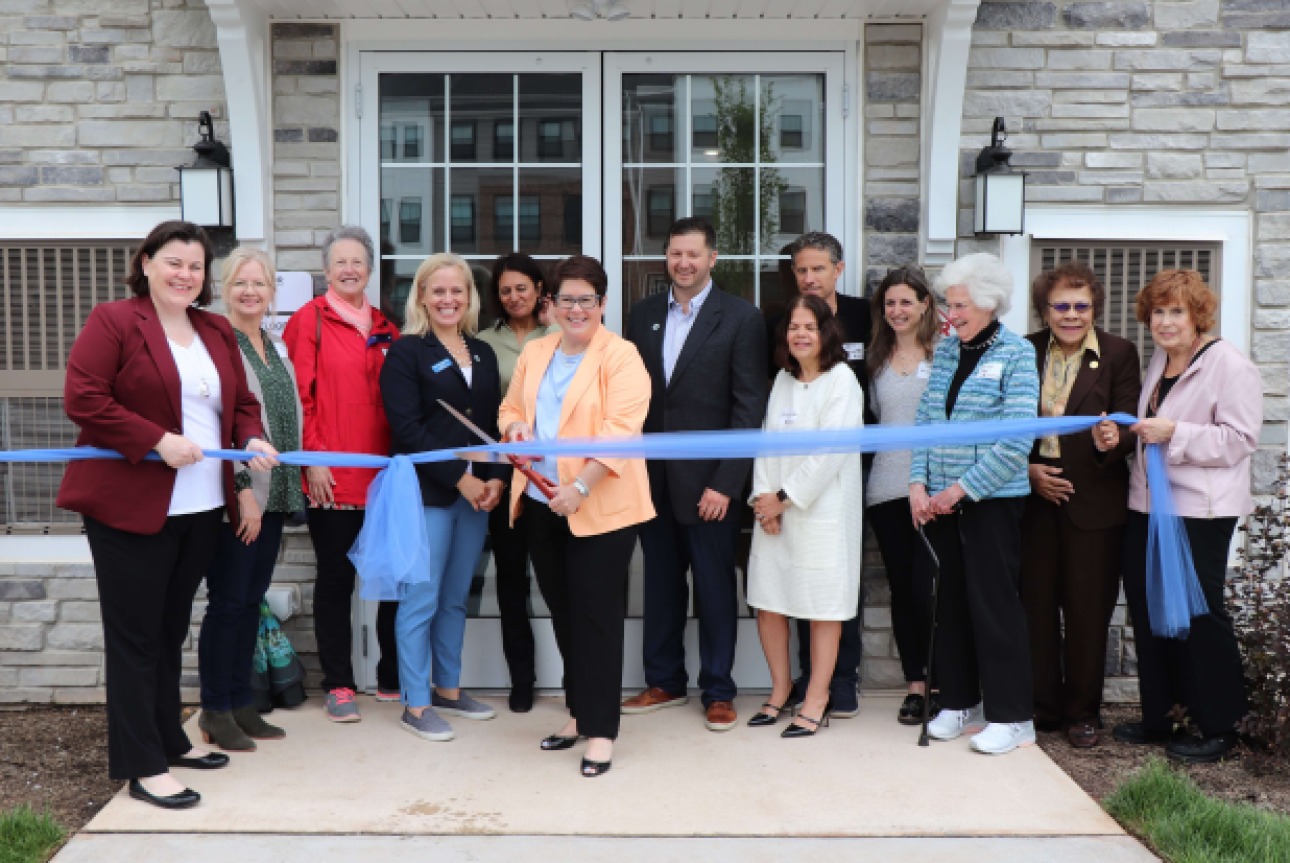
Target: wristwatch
column 581, row 487
column 782, row 496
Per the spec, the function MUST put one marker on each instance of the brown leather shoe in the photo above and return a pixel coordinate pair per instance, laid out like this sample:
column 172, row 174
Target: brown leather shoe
column 1082, row 735
column 652, row 699
column 721, row 716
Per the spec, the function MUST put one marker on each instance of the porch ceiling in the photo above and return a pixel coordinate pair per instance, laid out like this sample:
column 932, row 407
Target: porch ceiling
column 559, row 9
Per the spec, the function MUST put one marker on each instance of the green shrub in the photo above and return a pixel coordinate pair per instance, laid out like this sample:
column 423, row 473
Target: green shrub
column 27, row 836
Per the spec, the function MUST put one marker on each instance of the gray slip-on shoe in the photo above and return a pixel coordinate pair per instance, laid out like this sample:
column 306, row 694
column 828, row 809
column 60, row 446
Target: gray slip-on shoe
column 428, row 726
column 463, row 705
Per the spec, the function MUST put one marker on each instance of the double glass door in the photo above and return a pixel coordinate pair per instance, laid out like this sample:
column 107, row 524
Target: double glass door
column 560, row 153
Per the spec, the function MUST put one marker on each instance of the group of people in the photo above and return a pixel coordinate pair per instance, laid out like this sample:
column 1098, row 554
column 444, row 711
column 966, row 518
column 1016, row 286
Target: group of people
column 1030, row 537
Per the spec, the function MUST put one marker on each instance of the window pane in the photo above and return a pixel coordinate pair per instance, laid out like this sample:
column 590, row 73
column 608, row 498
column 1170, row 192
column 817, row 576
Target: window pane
column 411, row 211
column 792, row 109
column 551, row 118
column 643, row 278
column 411, row 115
column 503, row 140
column 735, row 277
column 545, row 210
column 652, row 199
column 724, row 111
column 462, row 221
column 479, row 102
column 491, row 191
column 396, row 282
column 463, row 140
column 652, row 115
column 792, row 204
column 410, row 221
column 727, row 197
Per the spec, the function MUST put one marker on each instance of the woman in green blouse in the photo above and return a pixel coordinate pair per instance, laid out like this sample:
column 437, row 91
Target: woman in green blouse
column 519, row 300
column 243, row 565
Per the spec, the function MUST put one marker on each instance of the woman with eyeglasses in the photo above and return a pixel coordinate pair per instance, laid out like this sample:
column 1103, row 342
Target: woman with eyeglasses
column 583, row 381
column 1073, row 528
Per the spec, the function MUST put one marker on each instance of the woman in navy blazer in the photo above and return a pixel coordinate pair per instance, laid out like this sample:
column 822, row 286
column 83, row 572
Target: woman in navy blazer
column 437, row 359
column 153, row 373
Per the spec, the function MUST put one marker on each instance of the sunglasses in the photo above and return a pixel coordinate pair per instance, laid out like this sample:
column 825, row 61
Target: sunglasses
column 1063, row 308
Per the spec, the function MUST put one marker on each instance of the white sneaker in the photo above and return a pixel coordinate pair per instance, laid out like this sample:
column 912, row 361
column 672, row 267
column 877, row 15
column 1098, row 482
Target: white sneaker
column 1002, row 737
column 950, row 724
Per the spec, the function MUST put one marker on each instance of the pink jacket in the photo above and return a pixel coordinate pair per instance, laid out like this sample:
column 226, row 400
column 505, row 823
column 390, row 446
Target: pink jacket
column 1218, row 406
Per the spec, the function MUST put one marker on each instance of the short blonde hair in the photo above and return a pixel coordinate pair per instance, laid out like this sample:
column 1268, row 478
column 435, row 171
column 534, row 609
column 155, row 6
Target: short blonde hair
column 415, row 320
column 240, row 257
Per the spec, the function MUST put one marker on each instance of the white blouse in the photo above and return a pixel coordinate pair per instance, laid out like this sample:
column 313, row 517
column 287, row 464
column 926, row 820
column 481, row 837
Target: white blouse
column 198, row 487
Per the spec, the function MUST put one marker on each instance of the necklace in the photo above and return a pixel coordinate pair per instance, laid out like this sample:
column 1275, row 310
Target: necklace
column 461, row 356
column 964, row 346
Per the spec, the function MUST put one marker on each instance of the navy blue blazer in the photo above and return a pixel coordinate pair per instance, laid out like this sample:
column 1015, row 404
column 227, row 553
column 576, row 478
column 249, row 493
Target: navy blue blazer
column 419, row 371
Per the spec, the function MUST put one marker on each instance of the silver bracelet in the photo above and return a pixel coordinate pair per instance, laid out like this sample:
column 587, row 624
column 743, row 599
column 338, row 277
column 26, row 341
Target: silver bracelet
column 581, row 487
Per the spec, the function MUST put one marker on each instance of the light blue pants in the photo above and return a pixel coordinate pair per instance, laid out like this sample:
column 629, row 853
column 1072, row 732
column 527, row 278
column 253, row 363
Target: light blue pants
column 432, row 615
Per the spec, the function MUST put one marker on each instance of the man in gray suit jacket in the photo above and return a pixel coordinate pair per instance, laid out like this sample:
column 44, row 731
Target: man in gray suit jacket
column 706, row 352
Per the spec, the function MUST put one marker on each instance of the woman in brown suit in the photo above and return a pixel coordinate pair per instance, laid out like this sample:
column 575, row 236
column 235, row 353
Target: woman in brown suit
column 1074, row 521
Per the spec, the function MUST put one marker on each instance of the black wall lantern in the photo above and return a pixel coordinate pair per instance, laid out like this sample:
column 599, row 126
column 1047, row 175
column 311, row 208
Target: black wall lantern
column 1000, row 191
column 206, row 186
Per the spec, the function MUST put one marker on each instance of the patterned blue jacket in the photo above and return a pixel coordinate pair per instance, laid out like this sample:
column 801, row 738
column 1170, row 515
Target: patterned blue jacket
column 1004, row 386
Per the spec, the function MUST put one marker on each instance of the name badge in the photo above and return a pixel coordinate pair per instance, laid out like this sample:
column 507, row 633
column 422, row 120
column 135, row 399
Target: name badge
column 787, row 418
column 924, row 370
column 990, row 371
column 440, row 366
column 855, row 351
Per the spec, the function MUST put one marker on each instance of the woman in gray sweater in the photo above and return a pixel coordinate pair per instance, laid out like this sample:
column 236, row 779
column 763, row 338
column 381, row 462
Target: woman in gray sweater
column 899, row 364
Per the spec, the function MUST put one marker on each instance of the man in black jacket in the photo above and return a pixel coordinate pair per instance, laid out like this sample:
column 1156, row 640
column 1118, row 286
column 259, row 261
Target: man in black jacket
column 817, row 265
column 705, row 351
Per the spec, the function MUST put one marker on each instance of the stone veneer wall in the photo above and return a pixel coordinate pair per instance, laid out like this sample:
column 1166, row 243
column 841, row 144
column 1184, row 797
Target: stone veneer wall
column 99, row 98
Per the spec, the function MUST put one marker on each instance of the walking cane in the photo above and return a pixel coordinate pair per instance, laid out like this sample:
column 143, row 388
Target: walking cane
column 931, row 641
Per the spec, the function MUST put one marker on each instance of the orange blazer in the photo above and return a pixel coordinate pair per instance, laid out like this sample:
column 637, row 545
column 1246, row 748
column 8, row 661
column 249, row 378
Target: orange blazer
column 609, row 396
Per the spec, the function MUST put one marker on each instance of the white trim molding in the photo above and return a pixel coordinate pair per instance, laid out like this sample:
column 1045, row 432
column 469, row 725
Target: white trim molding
column 243, row 33
column 1232, row 228
column 91, row 222
column 949, row 35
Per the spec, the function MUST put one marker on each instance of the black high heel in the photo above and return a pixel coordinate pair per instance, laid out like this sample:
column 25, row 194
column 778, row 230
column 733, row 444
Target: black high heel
column 595, row 768
column 761, row 720
column 801, row 730
column 556, row 743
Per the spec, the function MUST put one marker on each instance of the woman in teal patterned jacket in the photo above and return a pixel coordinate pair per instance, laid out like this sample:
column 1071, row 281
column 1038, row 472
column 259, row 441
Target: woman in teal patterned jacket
column 969, row 500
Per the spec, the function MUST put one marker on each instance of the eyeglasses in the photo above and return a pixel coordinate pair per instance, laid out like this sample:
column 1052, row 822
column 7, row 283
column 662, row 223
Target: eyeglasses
column 586, row 302
column 1063, row 308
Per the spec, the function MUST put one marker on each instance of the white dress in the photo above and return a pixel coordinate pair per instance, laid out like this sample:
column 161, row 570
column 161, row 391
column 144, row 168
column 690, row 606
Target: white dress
column 811, row 569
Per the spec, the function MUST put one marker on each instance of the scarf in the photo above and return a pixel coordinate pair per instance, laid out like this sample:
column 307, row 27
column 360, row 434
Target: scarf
column 360, row 319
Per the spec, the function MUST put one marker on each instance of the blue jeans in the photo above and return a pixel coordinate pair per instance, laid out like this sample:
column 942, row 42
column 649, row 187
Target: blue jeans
column 432, row 614
column 236, row 582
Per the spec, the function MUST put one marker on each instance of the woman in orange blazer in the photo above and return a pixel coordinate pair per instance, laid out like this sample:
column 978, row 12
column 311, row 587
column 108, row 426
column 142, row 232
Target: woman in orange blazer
column 582, row 382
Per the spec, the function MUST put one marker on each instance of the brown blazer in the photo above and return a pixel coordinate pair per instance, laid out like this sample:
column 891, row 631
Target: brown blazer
column 1108, row 383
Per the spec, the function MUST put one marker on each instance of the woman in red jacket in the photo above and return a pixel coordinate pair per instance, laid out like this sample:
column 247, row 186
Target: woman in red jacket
column 338, row 343
column 148, row 374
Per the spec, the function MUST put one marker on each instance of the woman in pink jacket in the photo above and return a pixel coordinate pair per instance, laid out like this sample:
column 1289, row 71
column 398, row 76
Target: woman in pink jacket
column 1203, row 401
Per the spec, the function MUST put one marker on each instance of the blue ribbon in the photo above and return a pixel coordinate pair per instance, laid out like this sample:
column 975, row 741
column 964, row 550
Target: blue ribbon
column 392, row 549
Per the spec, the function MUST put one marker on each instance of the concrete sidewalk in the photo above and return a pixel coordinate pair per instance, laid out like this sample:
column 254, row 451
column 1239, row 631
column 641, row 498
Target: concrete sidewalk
column 863, row 780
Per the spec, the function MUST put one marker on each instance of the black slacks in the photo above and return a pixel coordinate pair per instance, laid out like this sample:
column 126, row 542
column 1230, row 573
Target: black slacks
column 1203, row 673
column 146, row 587
column 584, row 582
column 333, row 532
column 511, row 562
column 911, row 590
column 981, row 643
column 1070, row 579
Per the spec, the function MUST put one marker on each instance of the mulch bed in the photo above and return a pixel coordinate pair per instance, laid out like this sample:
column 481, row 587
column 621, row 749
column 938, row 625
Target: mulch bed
column 1100, row 769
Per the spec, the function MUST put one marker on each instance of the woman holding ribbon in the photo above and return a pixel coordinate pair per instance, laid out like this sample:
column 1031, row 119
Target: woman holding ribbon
column 243, row 565
column 518, row 290
column 1074, row 523
column 899, row 363
column 584, row 381
column 970, row 499
column 1202, row 402
column 806, row 557
column 154, row 374
column 338, row 344
column 438, row 360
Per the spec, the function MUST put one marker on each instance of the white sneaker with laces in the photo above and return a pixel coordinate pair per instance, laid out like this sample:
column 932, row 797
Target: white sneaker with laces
column 950, row 724
column 1003, row 737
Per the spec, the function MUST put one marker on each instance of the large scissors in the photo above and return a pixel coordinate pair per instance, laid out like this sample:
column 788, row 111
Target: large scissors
column 543, row 484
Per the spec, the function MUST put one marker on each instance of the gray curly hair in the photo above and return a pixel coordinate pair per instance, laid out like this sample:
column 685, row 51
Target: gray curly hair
column 349, row 232
column 989, row 283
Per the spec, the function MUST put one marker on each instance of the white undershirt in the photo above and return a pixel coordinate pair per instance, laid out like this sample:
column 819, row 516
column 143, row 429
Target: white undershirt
column 198, row 487
column 468, row 372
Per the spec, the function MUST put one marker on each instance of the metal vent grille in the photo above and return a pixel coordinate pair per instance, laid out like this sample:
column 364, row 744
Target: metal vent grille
column 1124, row 268
column 47, row 291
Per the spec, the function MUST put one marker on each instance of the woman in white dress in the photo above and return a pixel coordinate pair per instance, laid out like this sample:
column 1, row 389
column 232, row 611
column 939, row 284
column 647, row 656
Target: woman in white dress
column 806, row 551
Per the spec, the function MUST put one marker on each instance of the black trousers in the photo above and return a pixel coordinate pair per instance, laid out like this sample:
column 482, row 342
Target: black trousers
column 982, row 650
column 333, row 532
column 511, row 562
column 911, row 590
column 1203, row 673
column 146, row 587
column 1070, row 580
column 584, row 582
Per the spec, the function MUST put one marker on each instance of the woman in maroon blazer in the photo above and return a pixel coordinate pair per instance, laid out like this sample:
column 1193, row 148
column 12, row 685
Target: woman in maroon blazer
column 149, row 374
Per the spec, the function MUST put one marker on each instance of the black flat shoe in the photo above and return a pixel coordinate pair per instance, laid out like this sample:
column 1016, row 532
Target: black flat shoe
column 555, row 742
column 209, row 761
column 185, row 799
column 1202, row 750
column 795, row 730
column 761, row 720
column 521, row 699
column 595, row 768
column 1137, row 734
column 911, row 709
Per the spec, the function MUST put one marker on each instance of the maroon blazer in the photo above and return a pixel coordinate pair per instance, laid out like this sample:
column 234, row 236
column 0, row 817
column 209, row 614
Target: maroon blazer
column 122, row 389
